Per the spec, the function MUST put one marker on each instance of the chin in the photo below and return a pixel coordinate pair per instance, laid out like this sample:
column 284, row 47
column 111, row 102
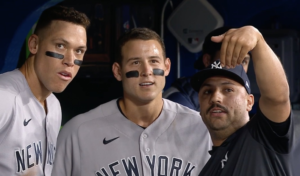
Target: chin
column 58, row 89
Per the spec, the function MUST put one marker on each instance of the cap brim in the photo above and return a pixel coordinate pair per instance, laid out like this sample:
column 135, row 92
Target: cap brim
column 198, row 78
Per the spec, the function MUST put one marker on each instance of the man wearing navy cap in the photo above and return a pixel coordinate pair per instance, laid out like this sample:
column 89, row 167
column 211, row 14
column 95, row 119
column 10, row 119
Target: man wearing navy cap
column 181, row 90
column 241, row 147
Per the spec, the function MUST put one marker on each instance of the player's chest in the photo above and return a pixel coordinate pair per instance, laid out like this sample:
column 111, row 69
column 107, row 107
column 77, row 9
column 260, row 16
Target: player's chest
column 119, row 153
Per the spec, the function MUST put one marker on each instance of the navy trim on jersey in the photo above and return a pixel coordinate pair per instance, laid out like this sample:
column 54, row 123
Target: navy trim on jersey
column 118, row 104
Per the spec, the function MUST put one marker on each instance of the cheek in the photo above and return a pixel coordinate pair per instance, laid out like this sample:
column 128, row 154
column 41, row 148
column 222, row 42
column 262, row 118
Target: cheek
column 129, row 82
column 238, row 104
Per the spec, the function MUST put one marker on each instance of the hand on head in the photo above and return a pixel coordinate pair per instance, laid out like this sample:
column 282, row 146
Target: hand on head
column 236, row 43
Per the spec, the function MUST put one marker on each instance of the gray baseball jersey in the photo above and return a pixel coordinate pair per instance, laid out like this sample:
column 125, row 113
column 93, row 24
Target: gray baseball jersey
column 27, row 134
column 103, row 142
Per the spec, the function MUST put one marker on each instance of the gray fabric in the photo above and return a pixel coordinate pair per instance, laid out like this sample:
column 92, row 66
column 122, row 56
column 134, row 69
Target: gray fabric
column 20, row 136
column 176, row 141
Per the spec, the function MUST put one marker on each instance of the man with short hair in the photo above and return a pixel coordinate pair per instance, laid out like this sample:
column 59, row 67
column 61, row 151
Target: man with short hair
column 262, row 145
column 30, row 115
column 181, row 90
column 140, row 133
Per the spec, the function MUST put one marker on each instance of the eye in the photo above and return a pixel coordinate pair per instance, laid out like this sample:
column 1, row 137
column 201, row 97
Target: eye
column 135, row 62
column 229, row 90
column 246, row 61
column 79, row 51
column 154, row 61
column 206, row 92
column 60, row 46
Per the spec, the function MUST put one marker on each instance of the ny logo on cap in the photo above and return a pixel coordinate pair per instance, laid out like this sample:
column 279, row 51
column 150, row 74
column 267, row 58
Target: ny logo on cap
column 247, row 84
column 216, row 65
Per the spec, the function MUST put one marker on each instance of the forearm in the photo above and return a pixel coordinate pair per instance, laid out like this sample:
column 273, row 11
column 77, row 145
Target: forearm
column 272, row 82
column 270, row 75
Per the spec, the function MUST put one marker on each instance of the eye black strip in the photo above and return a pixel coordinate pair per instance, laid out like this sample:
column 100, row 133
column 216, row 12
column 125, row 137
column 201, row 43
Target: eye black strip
column 132, row 74
column 78, row 62
column 55, row 55
column 159, row 72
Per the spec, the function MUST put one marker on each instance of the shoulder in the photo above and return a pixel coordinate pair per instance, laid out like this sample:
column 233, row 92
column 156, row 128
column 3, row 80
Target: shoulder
column 187, row 120
column 182, row 113
column 100, row 113
column 13, row 82
column 7, row 110
column 10, row 87
column 178, row 108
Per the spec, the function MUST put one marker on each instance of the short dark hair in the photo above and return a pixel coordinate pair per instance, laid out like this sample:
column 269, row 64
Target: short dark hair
column 137, row 34
column 62, row 13
column 209, row 47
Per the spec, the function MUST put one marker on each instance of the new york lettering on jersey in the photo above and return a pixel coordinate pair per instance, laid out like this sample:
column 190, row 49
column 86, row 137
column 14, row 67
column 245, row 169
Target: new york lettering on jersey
column 159, row 165
column 32, row 155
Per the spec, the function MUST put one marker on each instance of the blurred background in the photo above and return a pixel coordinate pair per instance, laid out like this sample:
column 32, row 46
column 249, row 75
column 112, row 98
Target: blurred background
column 278, row 20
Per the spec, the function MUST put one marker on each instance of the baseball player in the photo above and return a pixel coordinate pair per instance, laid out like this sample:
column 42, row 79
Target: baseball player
column 181, row 90
column 262, row 145
column 140, row 133
column 30, row 115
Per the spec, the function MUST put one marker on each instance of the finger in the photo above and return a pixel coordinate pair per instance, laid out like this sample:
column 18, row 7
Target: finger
column 217, row 39
column 229, row 51
column 235, row 54
column 223, row 52
column 244, row 51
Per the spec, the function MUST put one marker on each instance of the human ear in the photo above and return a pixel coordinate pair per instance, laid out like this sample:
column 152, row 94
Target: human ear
column 206, row 60
column 250, row 102
column 33, row 43
column 116, row 69
column 168, row 66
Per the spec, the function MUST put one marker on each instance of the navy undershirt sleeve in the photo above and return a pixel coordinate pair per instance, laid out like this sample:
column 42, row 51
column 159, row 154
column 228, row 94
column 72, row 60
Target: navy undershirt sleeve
column 275, row 136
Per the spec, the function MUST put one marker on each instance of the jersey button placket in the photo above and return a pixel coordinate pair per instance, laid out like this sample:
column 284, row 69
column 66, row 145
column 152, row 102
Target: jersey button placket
column 145, row 136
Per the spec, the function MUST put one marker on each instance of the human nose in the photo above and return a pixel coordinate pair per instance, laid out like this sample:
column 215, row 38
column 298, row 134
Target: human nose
column 216, row 97
column 69, row 59
column 146, row 70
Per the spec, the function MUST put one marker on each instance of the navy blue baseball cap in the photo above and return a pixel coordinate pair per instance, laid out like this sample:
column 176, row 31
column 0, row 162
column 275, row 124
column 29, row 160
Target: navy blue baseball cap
column 210, row 47
column 215, row 69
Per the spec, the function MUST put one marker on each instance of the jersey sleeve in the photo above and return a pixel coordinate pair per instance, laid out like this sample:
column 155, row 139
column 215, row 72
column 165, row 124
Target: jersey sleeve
column 7, row 107
column 67, row 156
column 274, row 136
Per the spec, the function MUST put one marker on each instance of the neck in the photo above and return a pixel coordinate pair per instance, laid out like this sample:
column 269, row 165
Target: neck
column 36, row 87
column 143, row 114
column 219, row 136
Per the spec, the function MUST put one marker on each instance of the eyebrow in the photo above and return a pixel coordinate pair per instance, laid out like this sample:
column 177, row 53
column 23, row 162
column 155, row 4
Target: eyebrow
column 154, row 57
column 133, row 59
column 66, row 42
column 137, row 58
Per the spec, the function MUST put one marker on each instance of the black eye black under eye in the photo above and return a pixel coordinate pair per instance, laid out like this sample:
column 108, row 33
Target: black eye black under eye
column 78, row 62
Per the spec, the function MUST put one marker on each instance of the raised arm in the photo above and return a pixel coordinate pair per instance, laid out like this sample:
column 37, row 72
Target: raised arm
column 270, row 76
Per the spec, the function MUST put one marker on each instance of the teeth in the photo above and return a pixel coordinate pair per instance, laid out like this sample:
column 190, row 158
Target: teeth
column 65, row 74
column 217, row 111
column 146, row 84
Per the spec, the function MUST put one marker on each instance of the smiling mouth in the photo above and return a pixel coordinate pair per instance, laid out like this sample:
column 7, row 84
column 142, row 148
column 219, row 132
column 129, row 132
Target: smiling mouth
column 146, row 84
column 217, row 111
